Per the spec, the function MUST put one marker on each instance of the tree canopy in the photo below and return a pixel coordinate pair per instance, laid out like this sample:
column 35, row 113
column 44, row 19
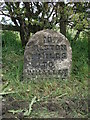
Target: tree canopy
column 30, row 17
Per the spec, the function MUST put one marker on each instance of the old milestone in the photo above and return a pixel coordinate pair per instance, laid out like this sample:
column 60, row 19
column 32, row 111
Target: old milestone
column 47, row 55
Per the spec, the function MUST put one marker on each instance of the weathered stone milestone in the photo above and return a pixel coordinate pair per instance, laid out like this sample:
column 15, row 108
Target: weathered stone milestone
column 47, row 54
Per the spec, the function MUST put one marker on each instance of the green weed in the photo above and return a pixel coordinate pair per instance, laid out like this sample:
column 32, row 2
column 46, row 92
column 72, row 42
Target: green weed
column 75, row 87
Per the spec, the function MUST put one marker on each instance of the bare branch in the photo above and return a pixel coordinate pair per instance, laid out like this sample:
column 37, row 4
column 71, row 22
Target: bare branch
column 50, row 13
column 10, row 27
column 2, row 13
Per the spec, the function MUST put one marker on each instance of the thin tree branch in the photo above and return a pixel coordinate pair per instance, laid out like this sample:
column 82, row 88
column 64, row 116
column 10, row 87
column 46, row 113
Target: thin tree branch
column 10, row 27
column 2, row 13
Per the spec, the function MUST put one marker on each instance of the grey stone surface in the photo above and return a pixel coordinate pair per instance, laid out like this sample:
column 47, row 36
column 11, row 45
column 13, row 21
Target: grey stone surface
column 47, row 54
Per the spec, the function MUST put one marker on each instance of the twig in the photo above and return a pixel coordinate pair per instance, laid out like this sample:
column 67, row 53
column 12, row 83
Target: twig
column 6, row 93
column 61, row 95
column 28, row 112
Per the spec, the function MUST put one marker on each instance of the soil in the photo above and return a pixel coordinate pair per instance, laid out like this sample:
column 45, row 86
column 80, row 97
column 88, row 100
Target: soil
column 67, row 108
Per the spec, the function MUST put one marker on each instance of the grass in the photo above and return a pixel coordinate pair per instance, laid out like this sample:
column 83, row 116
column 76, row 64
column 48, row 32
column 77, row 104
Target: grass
column 76, row 87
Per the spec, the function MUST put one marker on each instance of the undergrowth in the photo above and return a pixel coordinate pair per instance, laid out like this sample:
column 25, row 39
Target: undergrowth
column 13, row 56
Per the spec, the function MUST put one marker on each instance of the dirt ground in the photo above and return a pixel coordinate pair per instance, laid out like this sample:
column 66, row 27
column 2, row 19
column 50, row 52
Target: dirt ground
column 64, row 108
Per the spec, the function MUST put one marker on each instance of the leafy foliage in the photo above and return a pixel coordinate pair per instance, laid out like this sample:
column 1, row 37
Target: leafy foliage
column 30, row 17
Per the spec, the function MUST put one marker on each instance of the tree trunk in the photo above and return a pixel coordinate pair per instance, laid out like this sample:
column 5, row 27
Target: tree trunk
column 62, row 19
column 24, row 34
column 63, row 27
column 24, row 37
